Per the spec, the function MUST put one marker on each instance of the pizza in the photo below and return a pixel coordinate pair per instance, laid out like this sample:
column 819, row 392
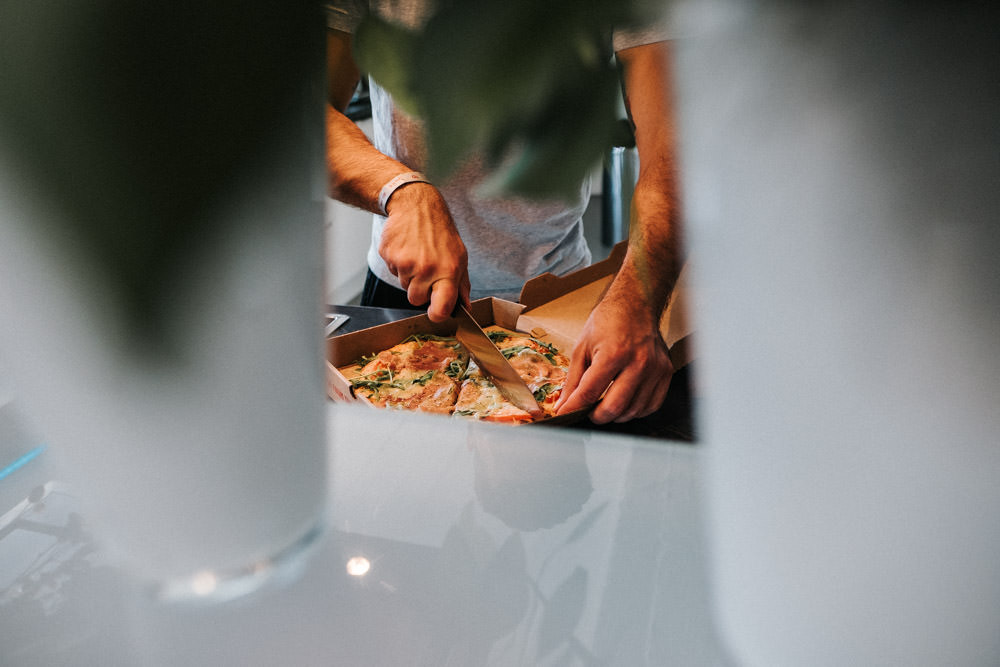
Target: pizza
column 408, row 389
column 435, row 374
column 479, row 398
column 542, row 367
column 420, row 373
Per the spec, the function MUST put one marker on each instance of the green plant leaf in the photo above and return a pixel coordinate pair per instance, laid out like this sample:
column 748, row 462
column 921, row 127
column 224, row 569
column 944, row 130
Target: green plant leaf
column 134, row 124
column 490, row 73
column 528, row 85
column 565, row 141
column 385, row 51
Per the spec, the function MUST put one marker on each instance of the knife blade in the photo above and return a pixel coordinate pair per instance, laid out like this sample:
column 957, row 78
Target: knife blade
column 493, row 364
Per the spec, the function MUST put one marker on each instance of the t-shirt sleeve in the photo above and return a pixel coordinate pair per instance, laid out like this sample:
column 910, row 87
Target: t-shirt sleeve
column 344, row 15
column 648, row 34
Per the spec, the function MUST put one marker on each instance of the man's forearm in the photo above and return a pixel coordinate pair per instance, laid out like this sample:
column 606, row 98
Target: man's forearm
column 655, row 247
column 357, row 170
column 655, row 253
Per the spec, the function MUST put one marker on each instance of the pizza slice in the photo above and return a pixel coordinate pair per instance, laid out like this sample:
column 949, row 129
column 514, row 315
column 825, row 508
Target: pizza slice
column 423, row 352
column 479, row 398
column 408, row 389
column 420, row 373
column 542, row 367
column 511, row 342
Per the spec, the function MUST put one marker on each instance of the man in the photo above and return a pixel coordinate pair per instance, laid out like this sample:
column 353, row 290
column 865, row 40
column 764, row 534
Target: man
column 432, row 236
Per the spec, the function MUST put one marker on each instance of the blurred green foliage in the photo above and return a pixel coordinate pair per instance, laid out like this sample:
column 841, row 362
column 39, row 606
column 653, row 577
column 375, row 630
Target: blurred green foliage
column 530, row 85
column 135, row 120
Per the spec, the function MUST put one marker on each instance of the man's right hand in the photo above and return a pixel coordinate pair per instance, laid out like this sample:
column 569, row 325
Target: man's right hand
column 421, row 246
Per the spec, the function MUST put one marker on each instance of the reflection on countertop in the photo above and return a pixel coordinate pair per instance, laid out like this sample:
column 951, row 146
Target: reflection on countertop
column 447, row 543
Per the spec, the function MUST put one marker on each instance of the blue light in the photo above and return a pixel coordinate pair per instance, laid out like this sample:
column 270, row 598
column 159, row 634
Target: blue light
column 19, row 463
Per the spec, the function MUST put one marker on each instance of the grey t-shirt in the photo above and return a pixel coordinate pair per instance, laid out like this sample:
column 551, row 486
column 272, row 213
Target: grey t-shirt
column 510, row 239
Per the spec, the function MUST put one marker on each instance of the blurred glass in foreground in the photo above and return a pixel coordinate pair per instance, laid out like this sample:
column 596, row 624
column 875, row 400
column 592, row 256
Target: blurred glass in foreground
column 840, row 170
column 161, row 194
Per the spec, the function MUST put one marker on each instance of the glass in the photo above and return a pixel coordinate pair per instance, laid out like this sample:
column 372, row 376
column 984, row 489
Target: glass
column 842, row 211
column 161, row 276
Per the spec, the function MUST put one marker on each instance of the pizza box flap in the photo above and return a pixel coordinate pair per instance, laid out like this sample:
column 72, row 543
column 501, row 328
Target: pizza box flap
column 546, row 287
column 559, row 306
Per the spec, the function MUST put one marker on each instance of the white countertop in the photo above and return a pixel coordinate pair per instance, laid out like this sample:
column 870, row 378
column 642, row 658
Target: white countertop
column 487, row 545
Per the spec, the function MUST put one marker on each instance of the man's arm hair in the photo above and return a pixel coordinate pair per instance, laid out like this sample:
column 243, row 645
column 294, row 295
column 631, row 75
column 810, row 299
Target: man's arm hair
column 357, row 170
column 655, row 253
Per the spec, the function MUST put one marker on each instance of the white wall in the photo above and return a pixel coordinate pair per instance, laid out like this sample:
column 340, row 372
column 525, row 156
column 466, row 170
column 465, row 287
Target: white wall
column 348, row 231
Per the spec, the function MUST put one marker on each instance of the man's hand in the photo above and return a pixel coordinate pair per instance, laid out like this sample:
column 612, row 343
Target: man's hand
column 421, row 247
column 622, row 348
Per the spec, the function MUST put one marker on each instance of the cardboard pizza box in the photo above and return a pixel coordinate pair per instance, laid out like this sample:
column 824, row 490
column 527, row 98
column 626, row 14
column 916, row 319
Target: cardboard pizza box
column 551, row 308
column 560, row 305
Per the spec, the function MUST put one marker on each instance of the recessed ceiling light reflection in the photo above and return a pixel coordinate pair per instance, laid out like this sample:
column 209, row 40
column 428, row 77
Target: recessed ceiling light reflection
column 358, row 566
column 204, row 583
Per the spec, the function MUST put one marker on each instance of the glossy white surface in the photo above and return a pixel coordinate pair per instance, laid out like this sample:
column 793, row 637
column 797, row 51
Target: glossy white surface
column 840, row 179
column 187, row 419
column 484, row 545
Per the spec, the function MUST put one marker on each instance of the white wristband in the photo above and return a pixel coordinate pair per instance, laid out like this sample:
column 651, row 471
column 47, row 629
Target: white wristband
column 395, row 184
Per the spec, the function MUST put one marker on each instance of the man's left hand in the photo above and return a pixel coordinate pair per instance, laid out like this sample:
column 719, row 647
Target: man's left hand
column 625, row 351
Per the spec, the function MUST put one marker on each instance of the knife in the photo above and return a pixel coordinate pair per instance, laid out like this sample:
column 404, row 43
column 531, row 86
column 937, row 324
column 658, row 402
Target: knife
column 492, row 362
